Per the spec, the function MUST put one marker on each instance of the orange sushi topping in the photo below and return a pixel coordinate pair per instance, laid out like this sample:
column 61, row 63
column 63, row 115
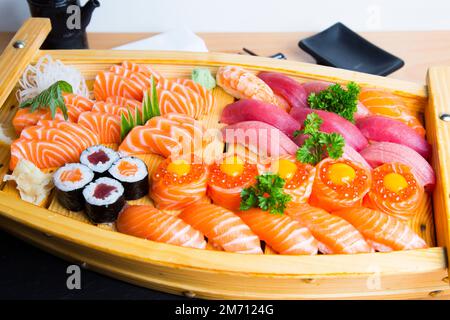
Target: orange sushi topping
column 71, row 175
column 179, row 172
column 394, row 186
column 294, row 173
column 127, row 169
column 232, row 172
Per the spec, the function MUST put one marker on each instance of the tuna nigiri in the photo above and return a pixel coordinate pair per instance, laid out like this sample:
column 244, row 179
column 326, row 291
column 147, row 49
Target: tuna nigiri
column 335, row 235
column 280, row 232
column 151, row 224
column 222, row 227
column 227, row 178
column 384, row 232
column 178, row 183
column 339, row 184
column 394, row 191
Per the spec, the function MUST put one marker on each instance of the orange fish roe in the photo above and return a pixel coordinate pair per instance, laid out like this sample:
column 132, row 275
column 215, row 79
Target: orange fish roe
column 394, row 191
column 339, row 184
column 177, row 184
column 227, row 180
column 71, row 175
column 127, row 169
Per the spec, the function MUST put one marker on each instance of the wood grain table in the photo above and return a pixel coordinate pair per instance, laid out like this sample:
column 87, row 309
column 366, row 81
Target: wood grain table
column 419, row 49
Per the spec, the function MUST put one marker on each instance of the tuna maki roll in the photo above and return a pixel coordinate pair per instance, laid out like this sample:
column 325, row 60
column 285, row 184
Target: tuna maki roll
column 69, row 182
column 99, row 159
column 133, row 174
column 104, row 200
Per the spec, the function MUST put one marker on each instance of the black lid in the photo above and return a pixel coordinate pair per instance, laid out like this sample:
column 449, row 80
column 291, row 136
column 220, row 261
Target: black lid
column 52, row 3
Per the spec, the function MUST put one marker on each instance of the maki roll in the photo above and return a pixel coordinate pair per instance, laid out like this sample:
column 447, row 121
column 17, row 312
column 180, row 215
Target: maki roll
column 104, row 200
column 133, row 174
column 99, row 159
column 69, row 181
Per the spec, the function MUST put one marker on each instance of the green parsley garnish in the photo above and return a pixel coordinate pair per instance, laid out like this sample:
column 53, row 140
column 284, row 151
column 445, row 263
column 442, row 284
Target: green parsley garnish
column 266, row 194
column 318, row 144
column 338, row 100
column 51, row 98
column 150, row 109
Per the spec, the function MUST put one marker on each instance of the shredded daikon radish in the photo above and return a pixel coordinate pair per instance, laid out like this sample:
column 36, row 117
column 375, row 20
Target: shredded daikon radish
column 7, row 134
column 46, row 72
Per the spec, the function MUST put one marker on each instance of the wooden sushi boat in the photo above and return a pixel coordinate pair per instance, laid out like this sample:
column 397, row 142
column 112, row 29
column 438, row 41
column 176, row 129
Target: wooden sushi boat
column 218, row 274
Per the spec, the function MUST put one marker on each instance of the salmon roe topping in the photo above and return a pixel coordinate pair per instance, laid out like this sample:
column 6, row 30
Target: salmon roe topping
column 357, row 185
column 300, row 177
column 387, row 183
column 221, row 179
column 196, row 170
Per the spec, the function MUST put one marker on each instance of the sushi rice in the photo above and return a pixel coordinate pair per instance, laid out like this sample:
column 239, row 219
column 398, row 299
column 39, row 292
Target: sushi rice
column 101, row 166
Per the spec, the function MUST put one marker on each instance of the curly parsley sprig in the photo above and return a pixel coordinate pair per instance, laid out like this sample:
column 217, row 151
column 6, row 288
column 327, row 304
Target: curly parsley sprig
column 336, row 99
column 266, row 194
column 318, row 144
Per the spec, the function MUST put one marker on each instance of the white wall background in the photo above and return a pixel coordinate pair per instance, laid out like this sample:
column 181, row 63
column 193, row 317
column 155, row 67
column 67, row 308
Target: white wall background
column 252, row 15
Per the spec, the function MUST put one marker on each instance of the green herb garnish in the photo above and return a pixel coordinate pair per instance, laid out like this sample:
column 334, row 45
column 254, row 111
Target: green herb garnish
column 150, row 109
column 337, row 99
column 318, row 144
column 204, row 77
column 51, row 98
column 266, row 194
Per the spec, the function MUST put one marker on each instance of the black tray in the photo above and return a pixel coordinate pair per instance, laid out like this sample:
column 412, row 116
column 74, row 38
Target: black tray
column 340, row 47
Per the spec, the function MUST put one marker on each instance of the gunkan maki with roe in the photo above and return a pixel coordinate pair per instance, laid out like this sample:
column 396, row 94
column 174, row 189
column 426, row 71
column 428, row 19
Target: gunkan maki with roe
column 104, row 200
column 133, row 174
column 69, row 181
column 99, row 159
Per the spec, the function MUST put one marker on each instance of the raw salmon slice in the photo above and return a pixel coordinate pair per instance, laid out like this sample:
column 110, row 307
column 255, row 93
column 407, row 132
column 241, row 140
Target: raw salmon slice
column 139, row 79
column 66, row 137
column 384, row 232
column 339, row 184
column 44, row 154
column 280, row 232
column 179, row 183
column 335, row 235
column 113, row 109
column 83, row 134
column 25, row 118
column 145, row 70
column 207, row 95
column 151, row 224
column 394, row 191
column 81, row 102
column 109, row 84
column 124, row 102
column 222, row 227
column 195, row 101
column 228, row 177
column 106, row 126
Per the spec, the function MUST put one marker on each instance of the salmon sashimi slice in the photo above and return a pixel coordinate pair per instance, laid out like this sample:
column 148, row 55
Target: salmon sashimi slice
column 81, row 102
column 206, row 94
column 384, row 232
column 298, row 177
column 170, row 101
column 394, row 191
column 339, row 184
column 113, row 109
column 222, row 227
column 83, row 134
column 145, row 70
column 106, row 126
column 149, row 223
column 25, row 118
column 242, row 84
column 280, row 232
column 228, row 177
column 335, row 234
column 384, row 103
column 195, row 101
column 109, row 84
column 179, row 183
column 43, row 154
column 124, row 102
column 137, row 78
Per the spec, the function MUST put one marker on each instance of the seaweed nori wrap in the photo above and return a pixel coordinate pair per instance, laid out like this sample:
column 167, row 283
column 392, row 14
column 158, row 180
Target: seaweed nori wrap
column 133, row 174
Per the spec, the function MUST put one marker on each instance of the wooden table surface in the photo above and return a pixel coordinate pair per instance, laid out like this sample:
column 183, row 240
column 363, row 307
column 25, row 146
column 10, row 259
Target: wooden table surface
column 419, row 49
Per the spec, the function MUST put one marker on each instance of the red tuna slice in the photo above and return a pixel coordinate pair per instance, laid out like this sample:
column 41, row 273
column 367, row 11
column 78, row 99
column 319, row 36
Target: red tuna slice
column 387, row 152
column 334, row 123
column 259, row 137
column 383, row 129
column 317, row 86
column 286, row 87
column 255, row 110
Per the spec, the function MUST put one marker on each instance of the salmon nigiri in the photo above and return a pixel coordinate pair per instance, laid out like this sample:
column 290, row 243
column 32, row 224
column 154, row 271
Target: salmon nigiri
column 222, row 227
column 384, row 232
column 280, row 232
column 339, row 184
column 298, row 177
column 178, row 183
column 105, row 125
column 335, row 235
column 149, row 223
column 227, row 178
column 394, row 191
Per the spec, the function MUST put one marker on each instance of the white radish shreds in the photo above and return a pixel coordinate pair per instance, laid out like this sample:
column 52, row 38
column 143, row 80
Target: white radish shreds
column 46, row 72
